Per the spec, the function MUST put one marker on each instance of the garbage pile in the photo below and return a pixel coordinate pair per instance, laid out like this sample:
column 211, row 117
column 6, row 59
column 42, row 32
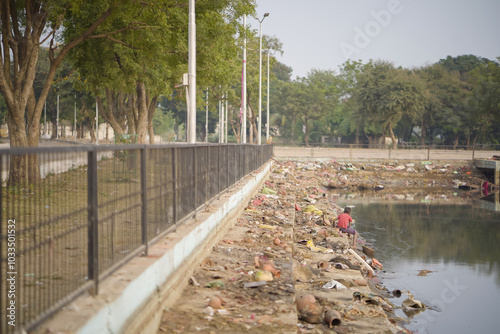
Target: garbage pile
column 284, row 268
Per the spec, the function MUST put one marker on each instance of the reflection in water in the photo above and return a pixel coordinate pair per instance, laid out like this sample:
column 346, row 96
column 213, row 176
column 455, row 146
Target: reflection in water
column 433, row 233
column 458, row 243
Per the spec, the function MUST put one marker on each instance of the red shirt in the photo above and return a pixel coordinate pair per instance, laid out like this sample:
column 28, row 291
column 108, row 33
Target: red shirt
column 344, row 220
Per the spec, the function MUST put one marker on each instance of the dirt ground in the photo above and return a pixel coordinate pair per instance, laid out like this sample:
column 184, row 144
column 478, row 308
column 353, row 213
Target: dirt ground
column 284, row 248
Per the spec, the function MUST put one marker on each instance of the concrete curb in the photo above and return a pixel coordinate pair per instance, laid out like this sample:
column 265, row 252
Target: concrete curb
column 132, row 300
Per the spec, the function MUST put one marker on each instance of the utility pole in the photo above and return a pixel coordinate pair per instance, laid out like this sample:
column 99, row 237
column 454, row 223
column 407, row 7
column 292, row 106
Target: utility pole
column 225, row 125
column 45, row 120
column 191, row 126
column 244, row 87
column 96, row 123
column 57, row 118
column 206, row 119
column 267, row 124
column 259, row 130
column 74, row 128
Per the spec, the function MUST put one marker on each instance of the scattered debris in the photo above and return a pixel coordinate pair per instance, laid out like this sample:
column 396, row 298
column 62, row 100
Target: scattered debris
column 283, row 266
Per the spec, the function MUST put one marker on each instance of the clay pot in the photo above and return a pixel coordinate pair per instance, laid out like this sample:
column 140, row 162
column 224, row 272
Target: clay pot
column 332, row 318
column 269, row 266
column 256, row 261
column 276, row 273
column 361, row 282
column 303, row 301
column 323, row 232
column 308, row 310
column 276, row 241
column 396, row 293
column 323, row 265
column 216, row 302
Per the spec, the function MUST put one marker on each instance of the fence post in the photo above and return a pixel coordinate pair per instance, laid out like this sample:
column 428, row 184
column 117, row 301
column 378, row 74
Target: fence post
column 144, row 200
column 174, row 183
column 226, row 149
column 92, row 217
column 218, row 170
column 428, row 153
column 473, row 150
column 350, row 152
column 389, row 152
column 195, row 170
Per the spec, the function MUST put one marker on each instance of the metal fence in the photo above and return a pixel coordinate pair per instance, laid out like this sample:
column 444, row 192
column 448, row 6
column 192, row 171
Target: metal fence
column 96, row 207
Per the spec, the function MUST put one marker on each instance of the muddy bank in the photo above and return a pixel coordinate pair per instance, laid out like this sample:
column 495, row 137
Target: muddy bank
column 283, row 268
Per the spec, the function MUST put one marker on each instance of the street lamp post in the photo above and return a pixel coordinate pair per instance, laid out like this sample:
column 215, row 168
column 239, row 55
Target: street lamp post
column 74, row 128
column 206, row 119
column 259, row 139
column 267, row 124
column 244, row 88
column 191, row 117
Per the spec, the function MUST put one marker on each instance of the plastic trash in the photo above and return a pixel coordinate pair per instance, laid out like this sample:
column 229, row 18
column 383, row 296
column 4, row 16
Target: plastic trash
column 333, row 284
column 318, row 249
column 268, row 191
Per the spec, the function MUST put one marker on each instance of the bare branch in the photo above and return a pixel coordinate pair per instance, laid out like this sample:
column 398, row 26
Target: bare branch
column 46, row 38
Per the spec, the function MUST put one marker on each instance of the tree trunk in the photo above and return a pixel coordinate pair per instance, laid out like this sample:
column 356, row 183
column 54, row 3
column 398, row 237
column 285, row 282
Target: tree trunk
column 142, row 113
column 393, row 137
column 250, row 124
column 370, row 140
column 423, row 131
column 236, row 131
column 54, row 131
column 455, row 142
column 306, row 133
column 130, row 105
column 91, row 128
column 151, row 113
column 18, row 173
column 107, row 111
column 474, row 138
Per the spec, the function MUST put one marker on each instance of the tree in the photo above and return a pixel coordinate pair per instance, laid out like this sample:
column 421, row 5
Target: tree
column 462, row 64
column 442, row 91
column 139, row 65
column 318, row 95
column 386, row 95
column 348, row 110
column 468, row 118
column 24, row 24
column 483, row 103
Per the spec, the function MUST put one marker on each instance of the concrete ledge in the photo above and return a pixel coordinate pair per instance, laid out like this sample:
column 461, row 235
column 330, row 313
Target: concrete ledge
column 132, row 300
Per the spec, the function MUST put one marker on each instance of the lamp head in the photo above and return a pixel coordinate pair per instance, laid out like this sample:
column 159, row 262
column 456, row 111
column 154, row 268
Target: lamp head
column 266, row 14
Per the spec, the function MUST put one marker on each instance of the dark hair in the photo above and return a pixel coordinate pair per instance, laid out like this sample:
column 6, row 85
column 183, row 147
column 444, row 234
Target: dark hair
column 347, row 210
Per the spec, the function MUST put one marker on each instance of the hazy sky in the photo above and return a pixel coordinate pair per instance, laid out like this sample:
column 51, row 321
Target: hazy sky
column 323, row 34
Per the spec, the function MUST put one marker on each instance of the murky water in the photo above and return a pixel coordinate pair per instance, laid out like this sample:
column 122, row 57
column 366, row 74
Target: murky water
column 458, row 242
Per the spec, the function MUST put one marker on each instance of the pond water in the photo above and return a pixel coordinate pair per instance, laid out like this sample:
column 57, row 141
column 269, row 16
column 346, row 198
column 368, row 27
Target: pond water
column 458, row 241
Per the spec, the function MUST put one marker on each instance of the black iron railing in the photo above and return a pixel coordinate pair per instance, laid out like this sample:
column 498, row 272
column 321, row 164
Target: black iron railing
column 93, row 209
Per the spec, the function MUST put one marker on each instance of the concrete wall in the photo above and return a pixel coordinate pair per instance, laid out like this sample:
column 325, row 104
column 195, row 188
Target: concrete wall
column 132, row 300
